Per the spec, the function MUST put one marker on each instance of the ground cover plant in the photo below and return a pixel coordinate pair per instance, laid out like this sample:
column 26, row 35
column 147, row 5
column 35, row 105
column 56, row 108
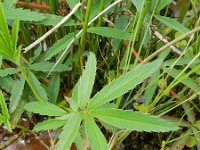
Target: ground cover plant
column 94, row 74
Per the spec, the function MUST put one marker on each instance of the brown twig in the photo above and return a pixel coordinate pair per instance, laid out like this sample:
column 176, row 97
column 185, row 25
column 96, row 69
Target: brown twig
column 33, row 5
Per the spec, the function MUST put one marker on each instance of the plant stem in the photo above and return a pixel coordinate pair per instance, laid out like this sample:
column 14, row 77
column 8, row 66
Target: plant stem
column 141, row 16
column 29, row 83
column 85, row 24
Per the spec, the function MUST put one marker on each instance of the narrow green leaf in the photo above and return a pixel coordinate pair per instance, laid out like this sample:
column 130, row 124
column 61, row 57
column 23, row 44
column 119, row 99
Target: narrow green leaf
column 138, row 4
column 121, row 24
column 110, row 32
column 124, row 83
column 73, row 104
column 14, row 35
column 16, row 115
column 6, row 54
column 131, row 120
column 151, row 88
column 16, row 93
column 6, row 83
column 181, row 61
column 23, row 14
column 46, row 67
column 9, row 3
column 86, row 81
column 187, row 81
column 4, row 106
column 37, row 86
column 162, row 4
column 49, row 125
column 69, row 133
column 72, row 4
column 37, row 53
column 3, row 24
column 58, row 46
column 4, row 42
column 172, row 23
column 1, row 60
column 75, row 93
column 5, row 112
column 94, row 135
column 8, row 71
column 53, row 88
column 52, row 20
column 96, row 9
column 8, row 125
column 45, row 108
column 2, row 119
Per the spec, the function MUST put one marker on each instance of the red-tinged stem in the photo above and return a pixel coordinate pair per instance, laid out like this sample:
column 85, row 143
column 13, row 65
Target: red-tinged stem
column 33, row 5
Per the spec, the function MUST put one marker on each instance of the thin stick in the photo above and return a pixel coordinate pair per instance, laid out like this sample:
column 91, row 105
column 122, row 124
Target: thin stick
column 171, row 43
column 162, row 38
column 53, row 29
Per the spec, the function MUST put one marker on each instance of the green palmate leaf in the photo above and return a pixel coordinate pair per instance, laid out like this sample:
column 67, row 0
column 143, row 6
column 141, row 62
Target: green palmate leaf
column 16, row 93
column 46, row 67
column 94, row 134
column 45, row 108
column 133, row 120
column 23, row 14
column 172, row 23
column 8, row 71
column 4, row 26
column 110, row 32
column 37, row 86
column 49, row 124
column 14, row 35
column 53, row 88
column 58, row 46
column 69, row 133
column 124, row 83
column 86, row 81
